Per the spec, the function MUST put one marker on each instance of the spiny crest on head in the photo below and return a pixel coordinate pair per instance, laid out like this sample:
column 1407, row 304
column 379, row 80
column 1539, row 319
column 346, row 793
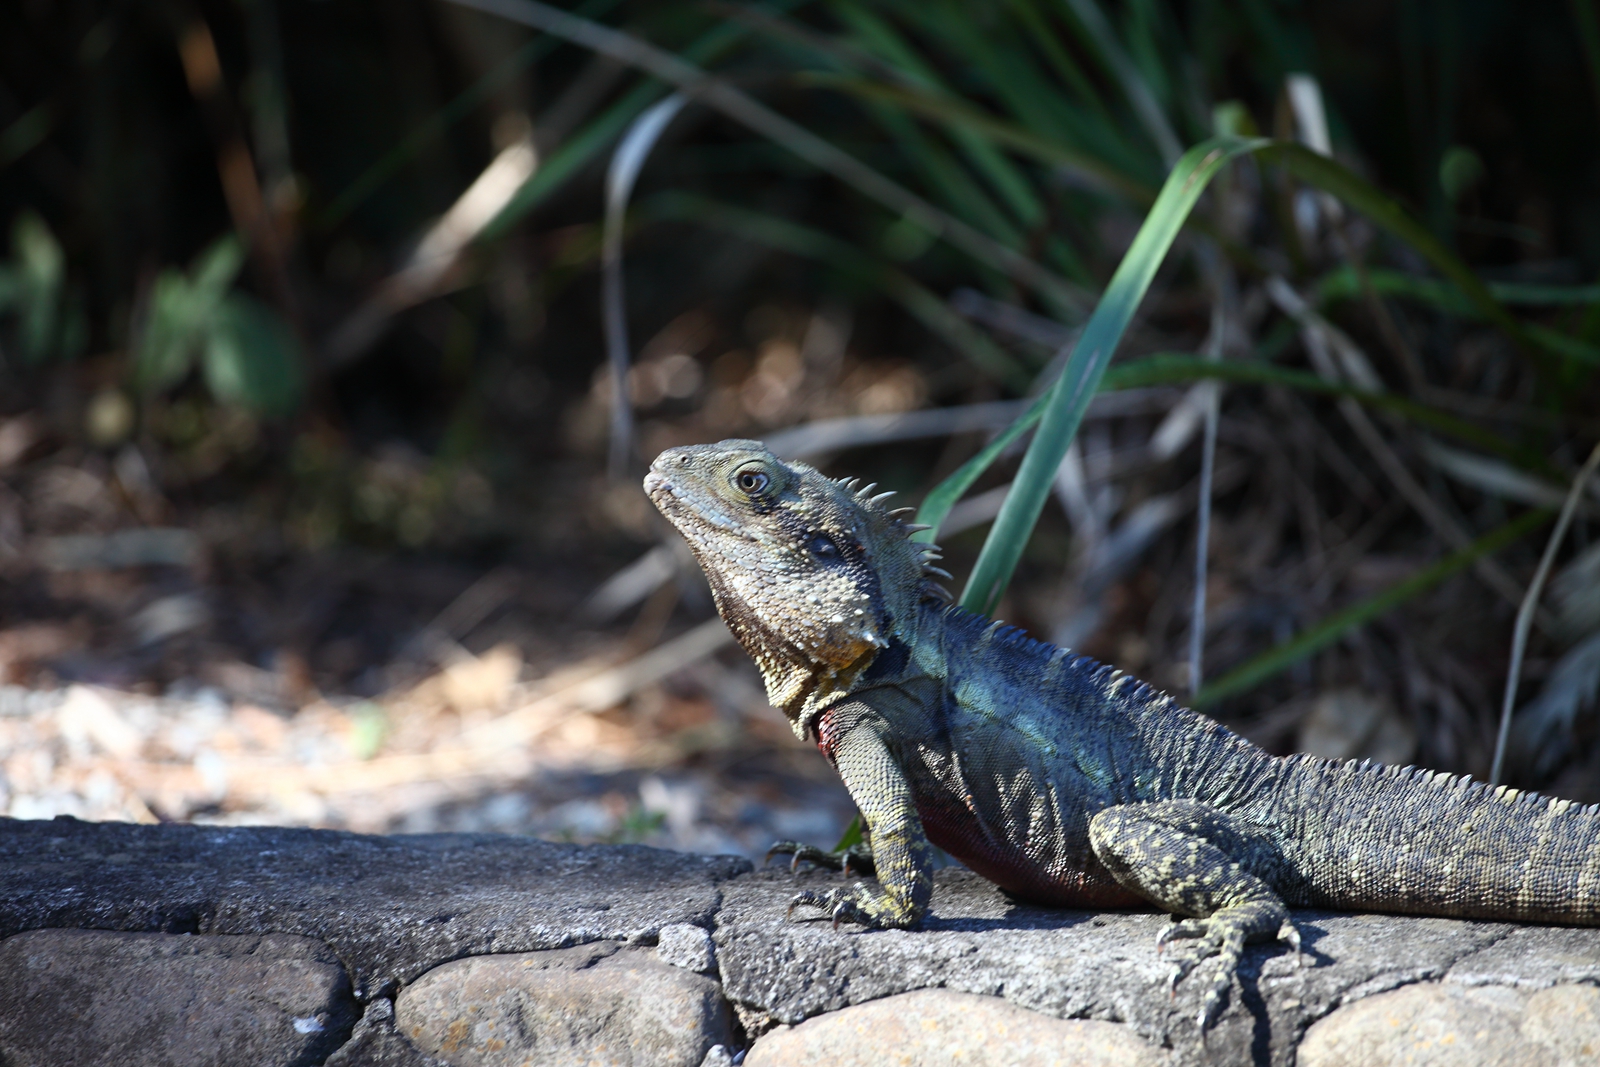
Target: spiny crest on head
column 893, row 520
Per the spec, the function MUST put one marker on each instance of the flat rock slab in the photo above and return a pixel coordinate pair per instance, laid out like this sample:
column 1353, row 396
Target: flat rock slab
column 391, row 907
column 597, row 1005
column 89, row 997
column 1104, row 966
column 938, row 1028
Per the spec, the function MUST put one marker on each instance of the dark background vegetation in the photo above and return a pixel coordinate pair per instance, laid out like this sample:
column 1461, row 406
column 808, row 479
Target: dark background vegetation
column 206, row 327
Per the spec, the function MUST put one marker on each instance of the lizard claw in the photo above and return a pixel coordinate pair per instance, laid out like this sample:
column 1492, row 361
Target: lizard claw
column 1180, row 970
column 1179, row 930
column 1291, row 937
column 840, row 905
column 809, row 898
column 856, row 858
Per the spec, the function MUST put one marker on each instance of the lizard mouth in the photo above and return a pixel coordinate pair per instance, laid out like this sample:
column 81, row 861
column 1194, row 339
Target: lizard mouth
column 690, row 514
column 664, row 495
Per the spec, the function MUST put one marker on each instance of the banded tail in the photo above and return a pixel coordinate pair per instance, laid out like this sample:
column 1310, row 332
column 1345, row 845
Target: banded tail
column 1422, row 842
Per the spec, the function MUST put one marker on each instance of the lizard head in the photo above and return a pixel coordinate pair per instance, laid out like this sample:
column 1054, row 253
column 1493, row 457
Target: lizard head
column 809, row 574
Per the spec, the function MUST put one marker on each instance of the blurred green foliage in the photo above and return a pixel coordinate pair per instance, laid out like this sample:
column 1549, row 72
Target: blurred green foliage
column 891, row 151
column 47, row 317
column 246, row 353
column 1046, row 126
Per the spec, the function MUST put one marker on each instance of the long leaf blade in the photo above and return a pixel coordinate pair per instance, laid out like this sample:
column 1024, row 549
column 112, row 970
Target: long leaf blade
column 1079, row 380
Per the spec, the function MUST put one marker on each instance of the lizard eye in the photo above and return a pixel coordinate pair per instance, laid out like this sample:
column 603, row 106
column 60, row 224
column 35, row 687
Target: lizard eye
column 822, row 546
column 752, row 482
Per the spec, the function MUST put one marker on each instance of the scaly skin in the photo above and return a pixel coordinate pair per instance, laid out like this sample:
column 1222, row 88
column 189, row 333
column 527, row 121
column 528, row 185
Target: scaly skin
column 1062, row 780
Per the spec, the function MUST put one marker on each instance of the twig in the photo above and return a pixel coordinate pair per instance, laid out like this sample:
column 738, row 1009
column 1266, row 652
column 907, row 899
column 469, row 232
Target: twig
column 1208, row 460
column 832, row 435
column 746, row 110
column 626, row 162
column 1519, row 638
column 439, row 263
column 630, row 585
column 236, row 167
column 1010, row 319
column 436, row 264
column 1305, row 98
column 147, row 547
column 1323, row 342
column 470, row 607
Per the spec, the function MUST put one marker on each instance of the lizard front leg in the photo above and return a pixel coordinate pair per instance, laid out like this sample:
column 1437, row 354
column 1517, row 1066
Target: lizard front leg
column 900, row 852
column 1191, row 859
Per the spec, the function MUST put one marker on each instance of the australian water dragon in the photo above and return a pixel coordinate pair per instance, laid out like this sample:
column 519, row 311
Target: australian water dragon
column 1062, row 780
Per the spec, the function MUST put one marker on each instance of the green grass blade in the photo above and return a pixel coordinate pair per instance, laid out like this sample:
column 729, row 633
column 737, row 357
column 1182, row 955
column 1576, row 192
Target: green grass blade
column 956, row 188
column 807, row 145
column 1343, row 284
column 1087, row 365
column 1070, row 396
column 1336, row 625
column 937, row 504
column 1565, row 345
column 853, row 835
column 1117, row 62
column 880, row 38
column 1326, row 174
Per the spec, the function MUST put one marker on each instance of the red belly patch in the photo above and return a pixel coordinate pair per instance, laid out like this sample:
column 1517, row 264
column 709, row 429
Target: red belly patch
column 1087, row 885
column 952, row 827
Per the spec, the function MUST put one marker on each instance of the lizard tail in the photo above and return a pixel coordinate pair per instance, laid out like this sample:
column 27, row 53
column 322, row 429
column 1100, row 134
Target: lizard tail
column 1423, row 842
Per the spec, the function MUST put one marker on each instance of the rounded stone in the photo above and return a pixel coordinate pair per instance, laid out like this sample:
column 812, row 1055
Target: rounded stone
column 1460, row 1026
column 935, row 1027
column 1566, row 1020
column 600, row 1005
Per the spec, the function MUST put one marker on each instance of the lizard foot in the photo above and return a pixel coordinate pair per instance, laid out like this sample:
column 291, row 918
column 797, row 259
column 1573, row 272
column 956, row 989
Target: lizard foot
column 857, row 859
column 1222, row 935
column 858, row 904
column 1194, row 860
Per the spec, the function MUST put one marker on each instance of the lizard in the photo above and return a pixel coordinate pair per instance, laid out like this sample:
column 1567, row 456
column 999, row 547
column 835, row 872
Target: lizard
column 1062, row 780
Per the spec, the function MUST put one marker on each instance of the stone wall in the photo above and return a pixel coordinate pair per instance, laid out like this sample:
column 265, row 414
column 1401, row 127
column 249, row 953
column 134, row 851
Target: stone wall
column 135, row 945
